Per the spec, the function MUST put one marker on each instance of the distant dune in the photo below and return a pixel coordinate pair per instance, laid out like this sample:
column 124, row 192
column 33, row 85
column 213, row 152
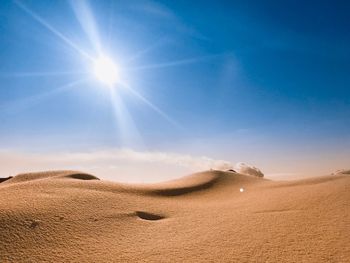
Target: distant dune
column 213, row 216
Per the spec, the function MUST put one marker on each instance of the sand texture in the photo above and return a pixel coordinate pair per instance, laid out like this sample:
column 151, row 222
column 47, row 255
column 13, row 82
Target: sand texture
column 68, row 216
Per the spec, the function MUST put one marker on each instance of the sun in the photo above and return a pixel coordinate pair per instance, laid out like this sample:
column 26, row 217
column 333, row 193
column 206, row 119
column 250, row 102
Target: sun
column 105, row 70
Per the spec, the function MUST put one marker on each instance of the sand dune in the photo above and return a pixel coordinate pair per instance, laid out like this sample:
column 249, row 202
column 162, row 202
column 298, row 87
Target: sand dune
column 213, row 216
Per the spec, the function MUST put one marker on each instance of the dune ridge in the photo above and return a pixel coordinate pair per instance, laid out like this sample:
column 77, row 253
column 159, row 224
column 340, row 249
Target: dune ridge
column 72, row 216
column 25, row 177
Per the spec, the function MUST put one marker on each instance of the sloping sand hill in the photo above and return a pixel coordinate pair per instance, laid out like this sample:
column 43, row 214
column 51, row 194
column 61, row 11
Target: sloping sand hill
column 68, row 216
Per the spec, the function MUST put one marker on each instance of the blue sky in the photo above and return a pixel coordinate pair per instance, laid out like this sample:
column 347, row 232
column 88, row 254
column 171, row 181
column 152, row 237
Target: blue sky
column 266, row 82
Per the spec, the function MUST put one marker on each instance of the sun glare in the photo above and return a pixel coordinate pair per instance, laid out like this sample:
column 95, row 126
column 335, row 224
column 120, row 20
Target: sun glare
column 105, row 70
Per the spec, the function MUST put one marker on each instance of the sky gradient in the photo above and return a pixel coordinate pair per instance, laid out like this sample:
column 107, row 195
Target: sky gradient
column 264, row 82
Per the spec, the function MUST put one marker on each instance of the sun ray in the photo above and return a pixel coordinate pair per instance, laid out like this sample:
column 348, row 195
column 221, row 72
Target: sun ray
column 52, row 29
column 153, row 107
column 105, row 70
column 129, row 134
column 87, row 20
column 174, row 63
column 146, row 50
column 24, row 103
column 40, row 74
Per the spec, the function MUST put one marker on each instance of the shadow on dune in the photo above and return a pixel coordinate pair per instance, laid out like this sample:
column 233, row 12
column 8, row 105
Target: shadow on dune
column 82, row 176
column 5, row 179
column 200, row 182
column 148, row 216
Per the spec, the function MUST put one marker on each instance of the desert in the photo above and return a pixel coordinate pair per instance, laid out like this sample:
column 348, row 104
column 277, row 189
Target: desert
column 68, row 216
column 174, row 131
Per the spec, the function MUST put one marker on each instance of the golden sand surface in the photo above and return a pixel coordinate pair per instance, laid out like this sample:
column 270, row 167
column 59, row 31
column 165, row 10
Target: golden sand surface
column 212, row 216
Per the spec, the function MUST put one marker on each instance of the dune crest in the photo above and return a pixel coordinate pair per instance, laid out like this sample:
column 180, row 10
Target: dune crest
column 26, row 177
column 200, row 182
